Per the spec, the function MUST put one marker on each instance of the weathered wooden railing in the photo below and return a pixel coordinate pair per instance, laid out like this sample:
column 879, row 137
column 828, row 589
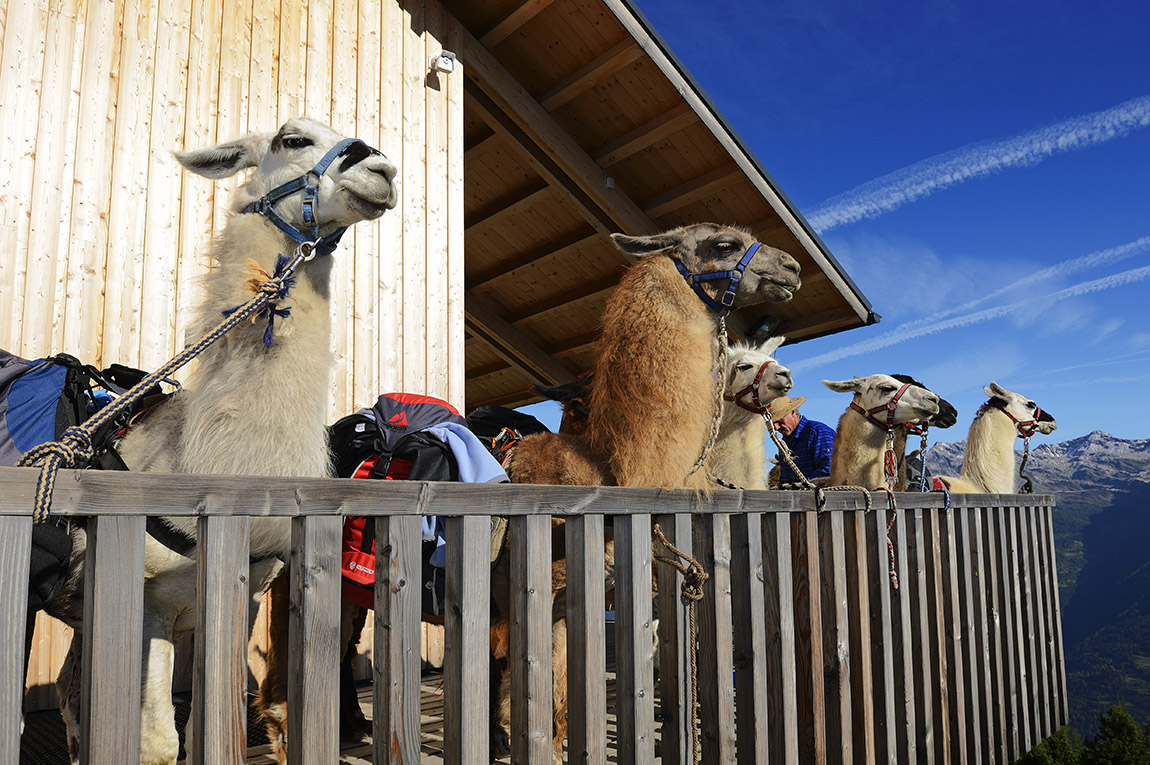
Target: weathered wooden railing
column 799, row 625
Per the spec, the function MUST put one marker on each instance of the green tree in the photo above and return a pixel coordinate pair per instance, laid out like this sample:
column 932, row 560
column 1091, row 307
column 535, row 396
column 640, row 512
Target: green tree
column 1063, row 747
column 1120, row 740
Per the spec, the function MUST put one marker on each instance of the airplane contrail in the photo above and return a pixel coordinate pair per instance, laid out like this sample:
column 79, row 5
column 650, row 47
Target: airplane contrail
column 908, row 332
column 924, row 178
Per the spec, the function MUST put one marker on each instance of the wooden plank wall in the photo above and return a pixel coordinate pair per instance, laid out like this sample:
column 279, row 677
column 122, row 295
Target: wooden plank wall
column 103, row 235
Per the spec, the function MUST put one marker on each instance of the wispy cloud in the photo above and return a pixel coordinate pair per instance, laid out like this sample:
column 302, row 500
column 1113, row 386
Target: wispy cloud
column 979, row 159
column 915, row 330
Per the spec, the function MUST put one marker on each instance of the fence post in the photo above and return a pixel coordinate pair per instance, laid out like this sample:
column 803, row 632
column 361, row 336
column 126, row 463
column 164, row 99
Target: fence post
column 219, row 712
column 113, row 624
column 313, row 676
column 586, row 640
column 634, row 646
column 395, row 669
column 466, row 702
column 531, row 635
column 15, row 544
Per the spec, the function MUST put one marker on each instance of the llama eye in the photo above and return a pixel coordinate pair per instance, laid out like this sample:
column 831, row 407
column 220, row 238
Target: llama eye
column 887, row 388
column 743, row 367
column 297, row 142
column 1030, row 405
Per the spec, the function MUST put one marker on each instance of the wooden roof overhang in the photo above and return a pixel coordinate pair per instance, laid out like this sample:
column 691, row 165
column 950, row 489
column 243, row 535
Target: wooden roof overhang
column 578, row 122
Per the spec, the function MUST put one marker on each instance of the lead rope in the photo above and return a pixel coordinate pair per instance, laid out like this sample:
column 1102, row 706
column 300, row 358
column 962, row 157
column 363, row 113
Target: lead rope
column 922, row 449
column 720, row 386
column 694, row 577
column 785, row 453
column 75, row 444
column 1028, row 484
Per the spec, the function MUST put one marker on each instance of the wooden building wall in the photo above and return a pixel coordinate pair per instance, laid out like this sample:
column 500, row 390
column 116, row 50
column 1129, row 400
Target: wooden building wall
column 103, row 236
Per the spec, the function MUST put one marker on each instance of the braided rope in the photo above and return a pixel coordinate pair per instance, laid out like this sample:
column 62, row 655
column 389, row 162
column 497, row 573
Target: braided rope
column 922, row 450
column 889, row 544
column 720, row 387
column 694, row 577
column 75, row 445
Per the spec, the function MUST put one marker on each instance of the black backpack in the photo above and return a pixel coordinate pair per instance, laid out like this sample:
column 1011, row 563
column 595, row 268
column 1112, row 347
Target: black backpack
column 387, row 442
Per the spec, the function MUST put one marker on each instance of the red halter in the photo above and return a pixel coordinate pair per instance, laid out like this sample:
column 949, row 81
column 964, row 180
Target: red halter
column 759, row 407
column 1026, row 428
column 889, row 407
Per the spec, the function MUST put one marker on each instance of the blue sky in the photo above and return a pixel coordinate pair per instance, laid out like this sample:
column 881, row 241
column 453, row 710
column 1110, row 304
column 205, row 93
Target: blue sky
column 981, row 170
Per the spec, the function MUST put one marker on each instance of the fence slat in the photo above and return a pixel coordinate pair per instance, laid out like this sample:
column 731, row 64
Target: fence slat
column 1046, row 693
column 219, row 728
column 586, row 641
column 924, row 673
column 675, row 667
column 968, row 628
column 809, row 645
column 882, row 638
column 782, row 714
column 1012, row 622
column 997, row 743
column 1063, row 712
column 634, row 648
column 858, row 603
column 747, row 604
column 114, row 621
column 313, row 670
column 530, row 638
column 935, row 636
column 980, row 646
column 395, row 671
column 466, row 701
column 712, row 547
column 953, row 635
column 15, row 546
column 905, row 703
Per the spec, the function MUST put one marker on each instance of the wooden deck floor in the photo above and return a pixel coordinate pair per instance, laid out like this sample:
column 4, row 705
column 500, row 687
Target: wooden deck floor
column 43, row 741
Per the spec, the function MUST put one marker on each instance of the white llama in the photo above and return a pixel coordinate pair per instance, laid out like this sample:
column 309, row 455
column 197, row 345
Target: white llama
column 754, row 380
column 261, row 392
column 988, row 463
column 861, row 440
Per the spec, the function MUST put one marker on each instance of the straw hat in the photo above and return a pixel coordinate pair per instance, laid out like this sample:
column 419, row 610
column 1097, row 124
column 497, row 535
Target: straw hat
column 784, row 405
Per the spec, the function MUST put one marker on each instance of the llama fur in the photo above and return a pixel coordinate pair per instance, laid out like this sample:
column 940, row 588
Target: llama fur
column 988, row 461
column 242, row 402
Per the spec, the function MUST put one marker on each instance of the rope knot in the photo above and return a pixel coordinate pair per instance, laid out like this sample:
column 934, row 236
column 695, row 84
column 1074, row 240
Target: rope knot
column 693, row 580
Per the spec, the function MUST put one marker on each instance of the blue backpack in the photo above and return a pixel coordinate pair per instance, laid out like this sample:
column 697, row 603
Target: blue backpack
column 39, row 400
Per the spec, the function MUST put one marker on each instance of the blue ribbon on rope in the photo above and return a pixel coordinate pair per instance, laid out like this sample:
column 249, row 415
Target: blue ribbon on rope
column 276, row 288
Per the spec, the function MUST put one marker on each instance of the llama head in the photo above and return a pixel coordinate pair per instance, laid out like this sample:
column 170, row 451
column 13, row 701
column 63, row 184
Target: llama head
column 707, row 248
column 1020, row 409
column 358, row 185
column 573, row 398
column 947, row 414
column 754, row 378
column 879, row 391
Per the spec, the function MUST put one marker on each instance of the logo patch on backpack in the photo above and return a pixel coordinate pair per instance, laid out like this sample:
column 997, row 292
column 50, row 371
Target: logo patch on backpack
column 397, row 422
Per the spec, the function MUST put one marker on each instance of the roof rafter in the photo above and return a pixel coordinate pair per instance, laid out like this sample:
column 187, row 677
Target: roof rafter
column 618, row 57
column 513, row 21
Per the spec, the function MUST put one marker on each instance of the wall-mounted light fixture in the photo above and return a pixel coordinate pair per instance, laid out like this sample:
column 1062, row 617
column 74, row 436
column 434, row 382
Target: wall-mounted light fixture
column 444, row 62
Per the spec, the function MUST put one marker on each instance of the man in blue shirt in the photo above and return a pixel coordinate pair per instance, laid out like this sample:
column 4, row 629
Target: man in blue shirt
column 810, row 441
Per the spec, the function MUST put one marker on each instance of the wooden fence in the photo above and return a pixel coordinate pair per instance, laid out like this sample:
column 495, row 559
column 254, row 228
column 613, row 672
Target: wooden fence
column 805, row 651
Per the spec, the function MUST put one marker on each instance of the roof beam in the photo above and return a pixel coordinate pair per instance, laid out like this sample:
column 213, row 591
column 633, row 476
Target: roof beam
column 693, row 190
column 510, row 344
column 647, row 134
column 513, row 21
column 512, row 205
column 570, row 296
column 602, row 67
column 510, row 265
column 506, row 106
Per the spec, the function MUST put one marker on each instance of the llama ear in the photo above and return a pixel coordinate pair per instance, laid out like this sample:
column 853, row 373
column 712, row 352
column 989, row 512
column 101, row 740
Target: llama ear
column 994, row 390
column 640, row 246
column 843, row 386
column 771, row 344
column 225, row 159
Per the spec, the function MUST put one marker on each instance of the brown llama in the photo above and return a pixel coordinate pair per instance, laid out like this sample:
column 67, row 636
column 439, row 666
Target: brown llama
column 652, row 393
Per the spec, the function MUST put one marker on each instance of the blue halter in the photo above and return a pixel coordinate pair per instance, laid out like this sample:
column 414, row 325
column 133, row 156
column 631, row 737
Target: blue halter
column 309, row 184
column 726, row 303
